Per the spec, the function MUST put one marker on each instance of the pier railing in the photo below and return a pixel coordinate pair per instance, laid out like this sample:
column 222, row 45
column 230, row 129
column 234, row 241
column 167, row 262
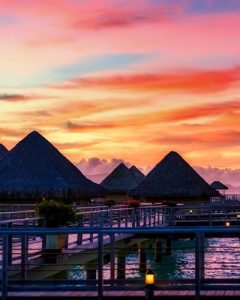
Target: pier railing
column 102, row 261
column 91, row 217
column 143, row 216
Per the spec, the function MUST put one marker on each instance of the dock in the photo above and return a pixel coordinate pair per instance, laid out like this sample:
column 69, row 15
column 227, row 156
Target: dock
column 100, row 245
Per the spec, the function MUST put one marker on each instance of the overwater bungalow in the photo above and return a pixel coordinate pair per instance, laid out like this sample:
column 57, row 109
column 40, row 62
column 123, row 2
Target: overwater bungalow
column 173, row 180
column 3, row 150
column 137, row 173
column 35, row 169
column 120, row 181
column 219, row 186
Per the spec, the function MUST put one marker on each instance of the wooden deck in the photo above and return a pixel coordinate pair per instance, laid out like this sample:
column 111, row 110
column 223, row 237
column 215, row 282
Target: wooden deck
column 167, row 294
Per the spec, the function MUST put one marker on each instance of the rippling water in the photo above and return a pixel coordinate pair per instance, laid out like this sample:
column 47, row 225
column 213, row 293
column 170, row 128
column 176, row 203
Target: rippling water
column 222, row 260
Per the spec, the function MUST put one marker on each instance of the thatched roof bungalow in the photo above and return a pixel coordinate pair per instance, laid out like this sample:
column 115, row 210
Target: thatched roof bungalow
column 173, row 180
column 139, row 176
column 219, row 186
column 3, row 150
column 34, row 169
column 120, row 181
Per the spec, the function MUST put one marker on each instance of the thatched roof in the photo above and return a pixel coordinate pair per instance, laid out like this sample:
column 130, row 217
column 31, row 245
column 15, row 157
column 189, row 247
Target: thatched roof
column 3, row 150
column 173, row 178
column 139, row 176
column 217, row 185
column 35, row 168
column 120, row 181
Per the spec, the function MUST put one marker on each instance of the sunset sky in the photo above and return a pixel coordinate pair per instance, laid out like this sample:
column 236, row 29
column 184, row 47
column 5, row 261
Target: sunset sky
column 121, row 79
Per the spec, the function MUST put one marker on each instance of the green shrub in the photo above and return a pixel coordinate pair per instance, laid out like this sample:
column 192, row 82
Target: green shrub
column 55, row 213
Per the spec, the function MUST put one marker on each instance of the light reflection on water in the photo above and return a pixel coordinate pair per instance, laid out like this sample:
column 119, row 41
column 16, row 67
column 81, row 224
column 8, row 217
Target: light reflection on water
column 222, row 260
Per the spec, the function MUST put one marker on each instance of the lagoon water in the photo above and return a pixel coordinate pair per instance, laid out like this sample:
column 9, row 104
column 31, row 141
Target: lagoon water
column 222, row 260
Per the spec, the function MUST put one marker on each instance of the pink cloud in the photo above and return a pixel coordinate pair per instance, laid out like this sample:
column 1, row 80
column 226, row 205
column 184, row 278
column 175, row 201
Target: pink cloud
column 74, row 21
column 97, row 169
column 229, row 177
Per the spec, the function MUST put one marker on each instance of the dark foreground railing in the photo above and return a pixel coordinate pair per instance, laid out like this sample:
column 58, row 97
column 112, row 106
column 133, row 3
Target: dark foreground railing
column 104, row 262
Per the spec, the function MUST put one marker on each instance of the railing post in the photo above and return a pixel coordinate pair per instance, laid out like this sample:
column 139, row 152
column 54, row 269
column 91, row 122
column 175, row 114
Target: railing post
column 34, row 237
column 112, row 258
column 24, row 253
column 33, row 216
column 91, row 226
column 138, row 216
column 119, row 217
column 199, row 263
column 126, row 217
column 210, row 216
column 79, row 235
column 98, row 216
column 197, row 274
column 158, row 215
column 102, row 218
column 10, row 243
column 133, row 217
column 100, row 265
column 202, row 269
column 111, row 218
column 4, row 267
column 154, row 215
column 144, row 217
column 173, row 216
column 161, row 211
column 44, row 239
column 149, row 217
column 226, row 212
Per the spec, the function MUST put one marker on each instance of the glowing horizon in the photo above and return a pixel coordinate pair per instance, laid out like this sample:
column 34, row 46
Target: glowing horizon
column 120, row 79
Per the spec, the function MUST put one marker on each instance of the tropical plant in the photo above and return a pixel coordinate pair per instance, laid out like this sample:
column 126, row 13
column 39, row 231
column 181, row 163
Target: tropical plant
column 55, row 213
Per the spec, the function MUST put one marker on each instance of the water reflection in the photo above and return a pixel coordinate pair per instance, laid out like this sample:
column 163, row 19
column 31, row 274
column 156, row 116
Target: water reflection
column 222, row 260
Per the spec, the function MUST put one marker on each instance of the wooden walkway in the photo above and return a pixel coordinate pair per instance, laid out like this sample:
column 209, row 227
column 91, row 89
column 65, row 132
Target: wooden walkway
column 182, row 294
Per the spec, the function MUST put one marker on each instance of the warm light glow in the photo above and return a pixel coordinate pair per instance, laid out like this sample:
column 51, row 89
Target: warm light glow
column 228, row 224
column 238, row 216
column 149, row 278
column 190, row 211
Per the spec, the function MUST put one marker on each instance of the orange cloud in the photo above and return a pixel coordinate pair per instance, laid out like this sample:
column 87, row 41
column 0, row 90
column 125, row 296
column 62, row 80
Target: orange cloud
column 200, row 111
column 197, row 81
column 204, row 139
column 84, row 126
column 70, row 146
column 9, row 132
column 212, row 110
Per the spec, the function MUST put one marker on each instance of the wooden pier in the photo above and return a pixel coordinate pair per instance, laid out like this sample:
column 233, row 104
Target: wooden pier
column 105, row 234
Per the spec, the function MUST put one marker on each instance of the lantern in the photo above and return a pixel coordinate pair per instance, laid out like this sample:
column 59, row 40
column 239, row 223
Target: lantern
column 149, row 277
column 150, row 281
